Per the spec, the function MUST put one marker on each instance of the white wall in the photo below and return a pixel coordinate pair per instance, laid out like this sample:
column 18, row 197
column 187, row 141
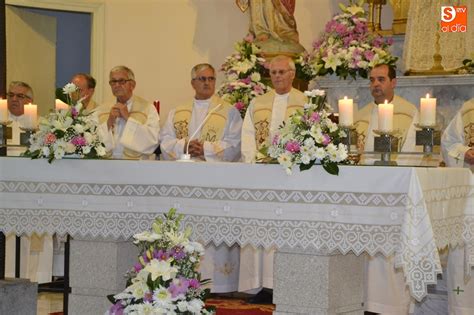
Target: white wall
column 162, row 39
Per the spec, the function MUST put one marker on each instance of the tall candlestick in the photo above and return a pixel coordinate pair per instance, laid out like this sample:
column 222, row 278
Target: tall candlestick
column 346, row 111
column 31, row 113
column 61, row 105
column 385, row 117
column 427, row 111
column 3, row 110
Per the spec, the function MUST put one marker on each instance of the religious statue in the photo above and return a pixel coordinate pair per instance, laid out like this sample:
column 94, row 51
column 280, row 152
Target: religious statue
column 273, row 24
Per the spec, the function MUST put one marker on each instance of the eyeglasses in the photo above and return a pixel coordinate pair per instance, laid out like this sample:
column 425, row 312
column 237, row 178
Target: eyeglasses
column 280, row 72
column 18, row 96
column 119, row 82
column 204, row 79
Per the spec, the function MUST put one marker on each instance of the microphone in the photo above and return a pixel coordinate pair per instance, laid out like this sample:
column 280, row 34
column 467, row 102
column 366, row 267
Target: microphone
column 186, row 157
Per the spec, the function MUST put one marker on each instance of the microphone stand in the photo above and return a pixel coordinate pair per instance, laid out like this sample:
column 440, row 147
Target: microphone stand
column 186, row 157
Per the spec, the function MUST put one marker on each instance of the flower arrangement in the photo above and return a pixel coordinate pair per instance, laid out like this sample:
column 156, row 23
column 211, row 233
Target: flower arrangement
column 243, row 75
column 310, row 137
column 66, row 132
column 346, row 47
column 164, row 280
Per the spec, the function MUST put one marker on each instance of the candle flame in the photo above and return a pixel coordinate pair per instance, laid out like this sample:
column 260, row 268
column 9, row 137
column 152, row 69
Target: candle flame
column 345, row 97
column 386, row 102
column 427, row 95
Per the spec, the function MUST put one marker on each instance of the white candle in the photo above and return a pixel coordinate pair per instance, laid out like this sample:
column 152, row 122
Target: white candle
column 385, row 117
column 427, row 111
column 61, row 105
column 346, row 111
column 3, row 110
column 31, row 113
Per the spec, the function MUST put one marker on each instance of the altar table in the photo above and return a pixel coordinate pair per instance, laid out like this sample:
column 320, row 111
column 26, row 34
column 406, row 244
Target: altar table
column 402, row 211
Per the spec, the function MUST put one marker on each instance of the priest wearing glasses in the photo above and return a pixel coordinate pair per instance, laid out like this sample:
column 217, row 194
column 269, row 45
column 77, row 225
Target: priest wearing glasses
column 208, row 125
column 130, row 127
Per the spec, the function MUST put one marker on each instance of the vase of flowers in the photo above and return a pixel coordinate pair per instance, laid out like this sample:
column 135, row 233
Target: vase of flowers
column 309, row 138
column 347, row 47
column 66, row 133
column 243, row 72
column 164, row 280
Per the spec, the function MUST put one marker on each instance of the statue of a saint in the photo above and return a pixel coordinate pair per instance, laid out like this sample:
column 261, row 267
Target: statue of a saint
column 273, row 24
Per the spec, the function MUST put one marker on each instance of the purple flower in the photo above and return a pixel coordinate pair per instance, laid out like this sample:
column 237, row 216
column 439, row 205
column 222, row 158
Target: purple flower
column 160, row 254
column 116, row 309
column 292, row 146
column 178, row 253
column 145, row 258
column 138, row 267
column 148, row 297
column 178, row 286
column 389, row 41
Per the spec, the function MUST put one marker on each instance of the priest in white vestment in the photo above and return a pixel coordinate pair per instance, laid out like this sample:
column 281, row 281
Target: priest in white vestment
column 264, row 115
column 457, row 144
column 386, row 291
column 36, row 252
column 214, row 124
column 405, row 115
column 130, row 128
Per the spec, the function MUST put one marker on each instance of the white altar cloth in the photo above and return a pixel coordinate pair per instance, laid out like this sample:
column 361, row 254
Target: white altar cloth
column 408, row 212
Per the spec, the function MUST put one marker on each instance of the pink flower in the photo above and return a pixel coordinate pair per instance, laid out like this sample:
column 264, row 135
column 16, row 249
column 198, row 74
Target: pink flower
column 247, row 80
column 369, row 55
column 50, row 138
column 326, row 139
column 315, row 117
column 74, row 112
column 258, row 89
column 292, row 146
column 239, row 105
column 79, row 141
column 178, row 286
column 194, row 283
column 275, row 139
column 389, row 41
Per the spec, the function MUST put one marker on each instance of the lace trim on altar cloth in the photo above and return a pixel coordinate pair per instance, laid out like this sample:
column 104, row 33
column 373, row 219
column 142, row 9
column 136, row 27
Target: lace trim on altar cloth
column 209, row 193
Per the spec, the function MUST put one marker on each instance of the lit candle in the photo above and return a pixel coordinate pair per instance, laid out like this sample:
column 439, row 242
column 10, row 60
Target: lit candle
column 385, row 117
column 346, row 111
column 31, row 113
column 427, row 111
column 3, row 110
column 61, row 105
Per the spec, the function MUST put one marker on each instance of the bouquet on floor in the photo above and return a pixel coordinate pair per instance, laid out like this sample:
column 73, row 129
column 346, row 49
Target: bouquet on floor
column 243, row 75
column 164, row 280
column 310, row 137
column 347, row 47
column 66, row 132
